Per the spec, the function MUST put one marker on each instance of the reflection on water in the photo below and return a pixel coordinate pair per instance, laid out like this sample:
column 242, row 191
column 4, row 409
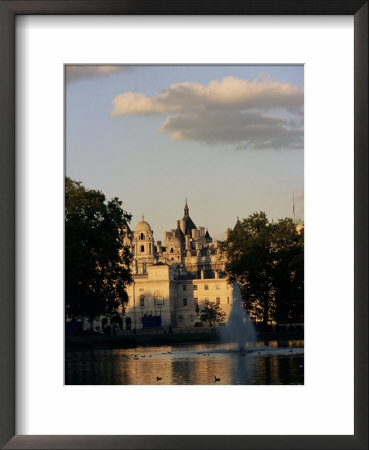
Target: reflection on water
column 272, row 362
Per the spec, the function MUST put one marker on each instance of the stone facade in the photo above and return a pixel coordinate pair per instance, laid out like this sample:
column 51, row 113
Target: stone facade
column 176, row 278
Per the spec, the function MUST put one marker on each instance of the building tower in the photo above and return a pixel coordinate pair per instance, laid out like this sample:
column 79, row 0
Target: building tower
column 143, row 247
column 186, row 223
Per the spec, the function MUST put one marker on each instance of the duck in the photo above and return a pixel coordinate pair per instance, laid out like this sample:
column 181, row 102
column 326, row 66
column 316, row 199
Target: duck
column 158, row 378
column 216, row 379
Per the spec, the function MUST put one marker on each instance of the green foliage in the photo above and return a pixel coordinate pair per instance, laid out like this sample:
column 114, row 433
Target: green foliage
column 212, row 313
column 267, row 260
column 97, row 265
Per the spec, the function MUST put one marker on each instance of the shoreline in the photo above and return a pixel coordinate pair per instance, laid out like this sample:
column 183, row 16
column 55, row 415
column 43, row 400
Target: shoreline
column 88, row 342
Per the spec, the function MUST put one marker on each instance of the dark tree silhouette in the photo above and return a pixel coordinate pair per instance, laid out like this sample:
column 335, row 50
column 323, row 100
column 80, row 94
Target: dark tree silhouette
column 212, row 313
column 267, row 260
column 97, row 265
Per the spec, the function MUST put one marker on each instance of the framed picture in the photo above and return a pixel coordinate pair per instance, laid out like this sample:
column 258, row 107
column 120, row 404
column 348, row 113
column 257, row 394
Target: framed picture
column 181, row 320
column 328, row 405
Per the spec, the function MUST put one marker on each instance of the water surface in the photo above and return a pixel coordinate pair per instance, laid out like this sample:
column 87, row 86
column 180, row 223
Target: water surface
column 270, row 362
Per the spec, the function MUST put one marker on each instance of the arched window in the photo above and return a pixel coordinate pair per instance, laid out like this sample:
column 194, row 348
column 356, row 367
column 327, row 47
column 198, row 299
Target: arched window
column 142, row 236
column 158, row 299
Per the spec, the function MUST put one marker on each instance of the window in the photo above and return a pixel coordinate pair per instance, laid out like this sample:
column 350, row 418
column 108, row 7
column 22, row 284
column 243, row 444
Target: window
column 142, row 301
column 185, row 302
column 206, row 287
column 217, row 287
column 142, row 236
column 159, row 300
column 206, row 301
column 142, row 248
column 195, row 287
column 171, row 250
column 228, row 300
column 218, row 300
column 184, row 287
column 196, row 301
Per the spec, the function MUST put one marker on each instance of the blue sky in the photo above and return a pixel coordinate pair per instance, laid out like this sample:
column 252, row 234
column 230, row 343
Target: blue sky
column 227, row 138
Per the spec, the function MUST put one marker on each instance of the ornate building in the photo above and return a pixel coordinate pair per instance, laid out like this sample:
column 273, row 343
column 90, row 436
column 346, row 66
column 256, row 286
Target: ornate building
column 176, row 278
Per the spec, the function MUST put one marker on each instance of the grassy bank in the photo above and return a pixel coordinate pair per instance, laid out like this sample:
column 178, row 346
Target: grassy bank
column 132, row 341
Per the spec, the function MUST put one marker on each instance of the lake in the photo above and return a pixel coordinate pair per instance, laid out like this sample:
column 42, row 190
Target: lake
column 269, row 363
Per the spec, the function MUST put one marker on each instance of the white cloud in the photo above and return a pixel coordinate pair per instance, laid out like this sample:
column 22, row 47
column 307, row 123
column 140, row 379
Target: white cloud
column 85, row 71
column 254, row 114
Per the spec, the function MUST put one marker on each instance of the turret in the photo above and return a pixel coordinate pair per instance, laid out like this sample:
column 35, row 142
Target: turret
column 143, row 242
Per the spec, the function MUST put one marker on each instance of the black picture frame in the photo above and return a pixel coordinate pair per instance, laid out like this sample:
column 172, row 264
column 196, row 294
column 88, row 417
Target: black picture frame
column 8, row 11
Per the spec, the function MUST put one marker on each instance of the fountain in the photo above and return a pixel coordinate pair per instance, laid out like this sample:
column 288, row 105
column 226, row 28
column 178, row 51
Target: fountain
column 239, row 329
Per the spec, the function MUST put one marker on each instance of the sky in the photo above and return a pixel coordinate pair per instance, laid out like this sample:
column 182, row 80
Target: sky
column 229, row 138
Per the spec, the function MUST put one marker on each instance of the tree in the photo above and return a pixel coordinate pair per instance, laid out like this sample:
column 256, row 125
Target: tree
column 97, row 264
column 212, row 313
column 288, row 272
column 267, row 260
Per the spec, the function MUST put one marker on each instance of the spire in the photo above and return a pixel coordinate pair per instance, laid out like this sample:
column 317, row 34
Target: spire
column 188, row 225
column 238, row 226
column 207, row 236
column 186, row 209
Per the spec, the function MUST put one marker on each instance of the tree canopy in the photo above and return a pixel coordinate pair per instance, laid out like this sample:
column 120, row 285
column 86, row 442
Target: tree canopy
column 267, row 260
column 212, row 313
column 97, row 264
